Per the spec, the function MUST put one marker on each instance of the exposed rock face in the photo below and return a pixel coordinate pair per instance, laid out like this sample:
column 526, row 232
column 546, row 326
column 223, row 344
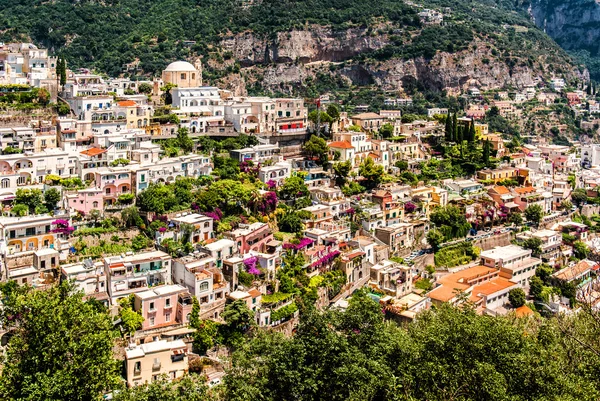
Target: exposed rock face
column 574, row 24
column 290, row 58
column 315, row 44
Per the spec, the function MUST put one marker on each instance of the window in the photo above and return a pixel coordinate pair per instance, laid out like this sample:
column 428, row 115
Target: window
column 168, row 302
column 151, row 306
column 151, row 320
column 167, row 317
column 203, row 286
column 95, row 204
column 137, row 368
column 183, row 76
column 5, row 183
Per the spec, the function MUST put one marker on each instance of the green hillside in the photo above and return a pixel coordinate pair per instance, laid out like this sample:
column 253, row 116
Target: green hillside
column 107, row 34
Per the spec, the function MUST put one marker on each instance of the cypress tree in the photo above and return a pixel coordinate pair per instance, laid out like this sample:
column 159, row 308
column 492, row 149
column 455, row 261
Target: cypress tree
column 455, row 128
column 486, row 152
column 61, row 67
column 472, row 133
column 448, row 130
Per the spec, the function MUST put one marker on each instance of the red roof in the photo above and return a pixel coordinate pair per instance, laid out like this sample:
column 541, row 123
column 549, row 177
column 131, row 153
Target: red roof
column 127, row 103
column 341, row 145
column 91, row 152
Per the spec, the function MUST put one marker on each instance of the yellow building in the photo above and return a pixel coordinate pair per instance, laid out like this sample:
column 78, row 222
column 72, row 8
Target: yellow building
column 150, row 361
column 28, row 233
column 183, row 74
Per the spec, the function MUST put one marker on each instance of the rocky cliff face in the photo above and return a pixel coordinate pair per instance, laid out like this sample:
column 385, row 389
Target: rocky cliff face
column 574, row 24
column 291, row 58
column 303, row 46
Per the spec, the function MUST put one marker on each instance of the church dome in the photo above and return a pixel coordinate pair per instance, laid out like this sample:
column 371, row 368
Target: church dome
column 178, row 66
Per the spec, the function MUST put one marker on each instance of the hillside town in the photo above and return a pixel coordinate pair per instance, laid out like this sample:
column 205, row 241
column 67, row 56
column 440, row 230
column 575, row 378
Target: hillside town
column 177, row 205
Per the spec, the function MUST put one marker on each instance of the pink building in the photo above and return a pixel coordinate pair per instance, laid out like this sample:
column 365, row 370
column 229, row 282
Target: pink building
column 113, row 182
column 251, row 237
column 164, row 306
column 85, row 200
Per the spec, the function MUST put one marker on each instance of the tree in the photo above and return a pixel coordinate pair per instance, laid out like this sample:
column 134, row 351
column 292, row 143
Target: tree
column 130, row 217
column 184, row 141
column 580, row 250
column 145, row 88
column 317, row 146
column 566, row 205
column 334, row 114
column 515, row 218
column 140, row 242
column 536, row 288
column 157, row 198
column 293, row 188
column 451, row 222
column 131, row 320
column 20, row 210
column 449, row 129
column 341, row 170
column 435, row 238
column 455, row 127
column 61, row 71
column 32, row 198
column 61, row 347
column 371, row 172
column 534, row 213
column 290, row 223
column 386, row 130
column 516, row 297
column 579, row 197
column 51, row 198
column 206, row 336
column 188, row 388
column 238, row 321
column 472, row 132
column 167, row 96
column 534, row 244
column 487, row 150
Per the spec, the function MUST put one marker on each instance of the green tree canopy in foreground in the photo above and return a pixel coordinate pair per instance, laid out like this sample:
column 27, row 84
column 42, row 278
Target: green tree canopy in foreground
column 447, row 354
column 61, row 347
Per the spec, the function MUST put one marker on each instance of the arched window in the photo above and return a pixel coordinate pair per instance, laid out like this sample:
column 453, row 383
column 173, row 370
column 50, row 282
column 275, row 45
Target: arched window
column 193, row 75
column 107, row 191
column 5, row 183
column 203, row 286
column 95, row 204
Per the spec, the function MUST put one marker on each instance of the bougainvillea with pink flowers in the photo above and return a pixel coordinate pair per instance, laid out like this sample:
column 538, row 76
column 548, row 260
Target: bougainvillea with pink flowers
column 410, row 207
column 304, row 242
column 216, row 215
column 250, row 264
column 327, row 259
column 271, row 184
column 62, row 227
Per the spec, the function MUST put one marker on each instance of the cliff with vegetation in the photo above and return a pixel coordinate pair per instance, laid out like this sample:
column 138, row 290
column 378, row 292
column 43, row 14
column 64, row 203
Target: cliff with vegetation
column 298, row 46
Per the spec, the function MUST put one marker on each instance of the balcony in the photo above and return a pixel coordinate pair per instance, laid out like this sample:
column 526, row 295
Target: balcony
column 156, row 366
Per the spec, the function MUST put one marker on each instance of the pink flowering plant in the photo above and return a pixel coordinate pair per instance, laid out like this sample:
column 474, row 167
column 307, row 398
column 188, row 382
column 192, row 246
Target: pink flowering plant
column 250, row 265
column 62, row 227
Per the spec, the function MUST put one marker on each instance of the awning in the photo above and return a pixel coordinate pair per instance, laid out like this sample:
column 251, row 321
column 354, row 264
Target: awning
column 511, row 205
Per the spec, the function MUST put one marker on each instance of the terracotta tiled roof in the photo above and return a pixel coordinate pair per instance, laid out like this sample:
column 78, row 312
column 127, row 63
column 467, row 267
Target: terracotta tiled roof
column 91, row 152
column 524, row 190
column 523, row 311
column 341, row 145
column 501, row 190
column 127, row 103
column 254, row 293
column 493, row 286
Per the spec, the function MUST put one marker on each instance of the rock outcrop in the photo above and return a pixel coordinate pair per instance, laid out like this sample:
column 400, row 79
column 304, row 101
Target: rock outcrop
column 288, row 59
